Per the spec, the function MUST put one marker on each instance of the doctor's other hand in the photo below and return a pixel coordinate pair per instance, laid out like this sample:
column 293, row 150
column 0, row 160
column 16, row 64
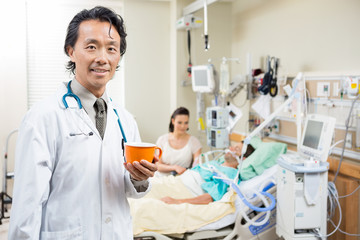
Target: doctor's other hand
column 142, row 170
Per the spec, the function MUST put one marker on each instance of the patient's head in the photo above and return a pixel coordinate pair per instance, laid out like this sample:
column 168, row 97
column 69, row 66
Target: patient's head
column 231, row 160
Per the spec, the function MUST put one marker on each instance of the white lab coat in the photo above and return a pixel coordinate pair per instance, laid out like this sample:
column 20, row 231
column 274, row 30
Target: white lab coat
column 71, row 187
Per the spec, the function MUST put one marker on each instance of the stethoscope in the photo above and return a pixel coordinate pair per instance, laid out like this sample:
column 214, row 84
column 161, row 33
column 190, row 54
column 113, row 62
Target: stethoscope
column 71, row 94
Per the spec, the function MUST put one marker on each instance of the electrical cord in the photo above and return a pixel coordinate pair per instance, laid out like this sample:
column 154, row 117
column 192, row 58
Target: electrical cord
column 333, row 198
column 237, row 105
column 343, row 232
column 346, row 131
column 189, row 50
column 332, row 147
column 334, row 203
column 350, row 193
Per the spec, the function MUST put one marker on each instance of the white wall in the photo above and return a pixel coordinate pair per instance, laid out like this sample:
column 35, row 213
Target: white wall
column 306, row 35
column 13, row 91
column 147, row 67
column 219, row 31
column 152, row 75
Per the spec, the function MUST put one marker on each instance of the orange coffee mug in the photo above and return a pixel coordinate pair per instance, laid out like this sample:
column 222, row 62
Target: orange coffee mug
column 136, row 151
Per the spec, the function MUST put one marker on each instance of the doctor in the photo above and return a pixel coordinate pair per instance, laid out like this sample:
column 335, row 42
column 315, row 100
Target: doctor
column 71, row 179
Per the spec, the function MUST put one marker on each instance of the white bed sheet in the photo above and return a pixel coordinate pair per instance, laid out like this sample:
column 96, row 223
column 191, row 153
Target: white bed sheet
column 269, row 175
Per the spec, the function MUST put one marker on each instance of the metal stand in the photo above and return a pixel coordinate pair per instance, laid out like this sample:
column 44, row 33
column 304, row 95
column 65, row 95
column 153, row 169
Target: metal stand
column 4, row 196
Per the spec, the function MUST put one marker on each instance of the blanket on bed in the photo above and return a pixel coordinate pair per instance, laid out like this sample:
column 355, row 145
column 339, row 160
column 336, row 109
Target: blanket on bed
column 264, row 157
column 151, row 214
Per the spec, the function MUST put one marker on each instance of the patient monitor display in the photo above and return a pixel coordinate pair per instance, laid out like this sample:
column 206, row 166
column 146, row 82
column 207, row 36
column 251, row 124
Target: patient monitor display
column 202, row 77
column 312, row 134
column 317, row 136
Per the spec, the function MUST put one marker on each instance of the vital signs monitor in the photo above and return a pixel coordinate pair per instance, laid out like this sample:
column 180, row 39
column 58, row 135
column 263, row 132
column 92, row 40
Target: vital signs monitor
column 202, row 77
column 317, row 136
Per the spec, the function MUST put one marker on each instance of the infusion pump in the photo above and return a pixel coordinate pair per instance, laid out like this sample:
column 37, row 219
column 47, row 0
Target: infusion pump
column 217, row 137
column 217, row 117
column 217, row 121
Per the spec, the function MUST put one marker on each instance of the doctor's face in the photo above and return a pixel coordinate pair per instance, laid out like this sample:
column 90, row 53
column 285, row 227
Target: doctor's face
column 96, row 54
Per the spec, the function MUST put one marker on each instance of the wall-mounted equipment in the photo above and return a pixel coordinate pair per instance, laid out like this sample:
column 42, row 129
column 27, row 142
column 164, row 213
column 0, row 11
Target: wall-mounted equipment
column 269, row 83
column 217, row 117
column 217, row 137
column 202, row 77
column 188, row 22
column 352, row 87
column 217, row 121
column 195, row 6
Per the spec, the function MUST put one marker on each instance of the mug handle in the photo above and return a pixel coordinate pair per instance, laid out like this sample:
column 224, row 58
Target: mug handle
column 160, row 152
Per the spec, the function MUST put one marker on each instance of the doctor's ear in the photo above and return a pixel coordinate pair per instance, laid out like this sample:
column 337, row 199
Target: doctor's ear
column 70, row 51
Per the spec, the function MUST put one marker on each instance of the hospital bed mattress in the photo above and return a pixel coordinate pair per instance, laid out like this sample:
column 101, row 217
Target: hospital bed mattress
column 213, row 228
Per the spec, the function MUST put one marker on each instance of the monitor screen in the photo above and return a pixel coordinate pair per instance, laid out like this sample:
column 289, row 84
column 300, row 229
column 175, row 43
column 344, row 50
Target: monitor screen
column 201, row 78
column 312, row 134
column 317, row 136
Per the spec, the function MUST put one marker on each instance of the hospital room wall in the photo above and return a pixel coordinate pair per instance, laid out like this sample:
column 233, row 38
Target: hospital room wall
column 219, row 30
column 308, row 36
column 157, row 58
column 13, row 90
column 147, row 65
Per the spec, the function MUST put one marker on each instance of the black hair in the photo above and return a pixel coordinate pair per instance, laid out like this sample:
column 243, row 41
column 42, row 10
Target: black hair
column 178, row 111
column 249, row 150
column 102, row 14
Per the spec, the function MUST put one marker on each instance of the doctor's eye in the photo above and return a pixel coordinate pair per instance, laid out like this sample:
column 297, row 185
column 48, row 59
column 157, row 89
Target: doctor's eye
column 112, row 49
column 91, row 47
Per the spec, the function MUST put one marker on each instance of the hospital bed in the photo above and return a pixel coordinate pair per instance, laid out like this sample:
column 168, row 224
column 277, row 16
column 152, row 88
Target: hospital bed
column 231, row 226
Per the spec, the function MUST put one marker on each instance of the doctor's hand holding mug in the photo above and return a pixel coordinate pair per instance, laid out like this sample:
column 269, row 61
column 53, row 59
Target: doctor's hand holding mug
column 71, row 179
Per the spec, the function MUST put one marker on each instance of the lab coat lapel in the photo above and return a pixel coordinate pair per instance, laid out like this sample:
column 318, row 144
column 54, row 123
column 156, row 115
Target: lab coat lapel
column 75, row 111
column 111, row 121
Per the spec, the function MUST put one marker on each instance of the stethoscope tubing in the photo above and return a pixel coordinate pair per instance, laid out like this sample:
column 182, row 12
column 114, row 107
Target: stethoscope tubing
column 71, row 94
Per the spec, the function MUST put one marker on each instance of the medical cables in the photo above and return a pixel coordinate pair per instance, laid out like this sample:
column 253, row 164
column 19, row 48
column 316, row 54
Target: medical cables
column 346, row 131
column 233, row 184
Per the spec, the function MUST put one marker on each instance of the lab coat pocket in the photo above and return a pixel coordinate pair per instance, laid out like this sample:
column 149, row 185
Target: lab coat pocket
column 73, row 234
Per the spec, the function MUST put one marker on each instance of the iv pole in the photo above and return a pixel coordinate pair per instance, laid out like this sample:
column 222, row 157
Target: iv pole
column 5, row 197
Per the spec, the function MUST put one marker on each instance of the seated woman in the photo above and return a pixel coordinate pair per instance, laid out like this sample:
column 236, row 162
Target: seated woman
column 208, row 187
column 180, row 149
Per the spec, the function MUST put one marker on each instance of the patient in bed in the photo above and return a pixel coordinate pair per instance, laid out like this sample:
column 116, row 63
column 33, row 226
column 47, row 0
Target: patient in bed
column 204, row 199
column 202, row 183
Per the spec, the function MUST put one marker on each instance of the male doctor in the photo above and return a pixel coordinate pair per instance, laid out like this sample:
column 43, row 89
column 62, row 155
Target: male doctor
column 71, row 181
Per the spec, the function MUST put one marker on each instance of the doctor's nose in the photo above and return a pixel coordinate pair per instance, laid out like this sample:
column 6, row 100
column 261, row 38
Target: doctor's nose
column 101, row 57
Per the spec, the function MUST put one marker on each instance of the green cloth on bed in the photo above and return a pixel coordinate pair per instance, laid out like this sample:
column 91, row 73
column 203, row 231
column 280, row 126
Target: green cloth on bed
column 264, row 156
